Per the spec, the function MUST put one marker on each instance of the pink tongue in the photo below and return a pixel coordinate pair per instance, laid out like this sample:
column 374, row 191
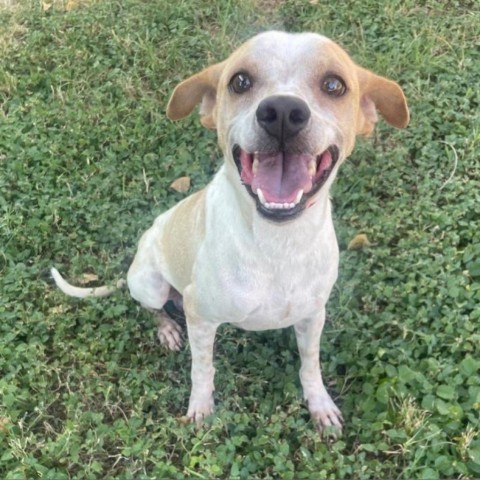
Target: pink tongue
column 280, row 176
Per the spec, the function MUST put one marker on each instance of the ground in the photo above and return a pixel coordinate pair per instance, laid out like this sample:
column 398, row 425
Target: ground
column 86, row 160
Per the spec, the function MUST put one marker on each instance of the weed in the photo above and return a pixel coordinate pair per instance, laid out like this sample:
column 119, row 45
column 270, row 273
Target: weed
column 87, row 157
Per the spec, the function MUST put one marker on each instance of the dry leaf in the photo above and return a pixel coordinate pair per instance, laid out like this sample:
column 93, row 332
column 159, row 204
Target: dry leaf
column 184, row 420
column 358, row 242
column 87, row 278
column 4, row 422
column 57, row 310
column 181, row 184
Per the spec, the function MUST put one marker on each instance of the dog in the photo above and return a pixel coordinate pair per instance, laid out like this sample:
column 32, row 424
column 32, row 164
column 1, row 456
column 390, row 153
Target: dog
column 256, row 248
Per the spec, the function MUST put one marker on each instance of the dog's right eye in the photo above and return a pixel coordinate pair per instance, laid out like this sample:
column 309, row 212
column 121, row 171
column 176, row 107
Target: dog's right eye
column 240, row 83
column 333, row 86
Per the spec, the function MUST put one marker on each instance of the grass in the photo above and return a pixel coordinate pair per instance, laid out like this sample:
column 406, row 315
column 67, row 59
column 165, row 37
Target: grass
column 86, row 159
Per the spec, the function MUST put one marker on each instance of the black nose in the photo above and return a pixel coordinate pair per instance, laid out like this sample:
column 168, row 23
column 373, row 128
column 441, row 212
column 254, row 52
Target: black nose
column 283, row 116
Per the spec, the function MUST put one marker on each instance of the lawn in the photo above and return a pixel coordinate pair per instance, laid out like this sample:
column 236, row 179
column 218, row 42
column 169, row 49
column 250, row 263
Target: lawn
column 87, row 157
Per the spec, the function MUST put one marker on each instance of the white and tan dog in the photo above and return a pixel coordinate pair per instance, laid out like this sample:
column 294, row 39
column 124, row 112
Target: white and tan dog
column 256, row 248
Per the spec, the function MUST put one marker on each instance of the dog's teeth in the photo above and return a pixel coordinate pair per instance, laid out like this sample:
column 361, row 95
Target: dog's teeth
column 298, row 197
column 278, row 206
column 261, row 197
column 312, row 167
column 255, row 163
column 273, row 205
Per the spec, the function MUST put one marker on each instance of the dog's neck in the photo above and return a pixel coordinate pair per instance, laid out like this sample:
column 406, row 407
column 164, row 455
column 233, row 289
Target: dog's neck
column 304, row 230
column 301, row 233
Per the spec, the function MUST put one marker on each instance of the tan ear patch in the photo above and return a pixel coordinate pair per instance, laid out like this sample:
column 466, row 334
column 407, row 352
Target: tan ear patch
column 201, row 87
column 384, row 95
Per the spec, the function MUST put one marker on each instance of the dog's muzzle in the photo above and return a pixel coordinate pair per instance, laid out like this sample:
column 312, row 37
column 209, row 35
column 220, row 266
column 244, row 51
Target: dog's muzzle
column 282, row 178
column 283, row 183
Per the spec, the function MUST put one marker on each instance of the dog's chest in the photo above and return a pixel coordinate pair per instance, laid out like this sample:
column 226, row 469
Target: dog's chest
column 279, row 296
column 264, row 288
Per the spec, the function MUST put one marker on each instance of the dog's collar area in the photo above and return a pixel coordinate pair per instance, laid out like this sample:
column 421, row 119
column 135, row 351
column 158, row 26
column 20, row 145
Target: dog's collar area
column 282, row 183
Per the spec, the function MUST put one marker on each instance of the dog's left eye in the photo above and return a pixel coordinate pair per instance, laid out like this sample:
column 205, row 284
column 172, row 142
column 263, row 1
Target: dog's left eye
column 240, row 83
column 334, row 86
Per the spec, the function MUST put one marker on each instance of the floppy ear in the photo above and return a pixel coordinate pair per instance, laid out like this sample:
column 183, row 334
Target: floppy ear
column 386, row 96
column 201, row 87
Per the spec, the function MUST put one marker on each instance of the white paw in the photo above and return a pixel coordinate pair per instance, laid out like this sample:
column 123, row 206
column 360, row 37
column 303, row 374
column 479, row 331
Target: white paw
column 200, row 408
column 170, row 334
column 326, row 415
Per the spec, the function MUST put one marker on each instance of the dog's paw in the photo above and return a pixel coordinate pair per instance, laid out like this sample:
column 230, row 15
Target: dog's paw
column 326, row 416
column 199, row 409
column 170, row 334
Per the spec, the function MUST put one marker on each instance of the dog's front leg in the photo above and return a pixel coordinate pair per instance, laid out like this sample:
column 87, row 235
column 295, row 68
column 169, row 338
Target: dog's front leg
column 322, row 409
column 201, row 336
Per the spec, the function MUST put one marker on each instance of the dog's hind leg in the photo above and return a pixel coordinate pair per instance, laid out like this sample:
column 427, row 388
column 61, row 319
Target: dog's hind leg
column 148, row 286
column 169, row 332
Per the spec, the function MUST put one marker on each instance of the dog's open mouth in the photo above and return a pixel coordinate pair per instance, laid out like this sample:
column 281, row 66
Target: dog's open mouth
column 282, row 183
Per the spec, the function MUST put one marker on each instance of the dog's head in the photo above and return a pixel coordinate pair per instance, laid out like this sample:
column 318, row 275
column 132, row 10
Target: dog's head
column 287, row 109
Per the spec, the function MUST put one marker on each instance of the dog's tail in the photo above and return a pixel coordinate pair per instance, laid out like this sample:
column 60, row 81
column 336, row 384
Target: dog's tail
column 81, row 292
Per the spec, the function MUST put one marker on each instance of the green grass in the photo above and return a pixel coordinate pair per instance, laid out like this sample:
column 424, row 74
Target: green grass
column 86, row 159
